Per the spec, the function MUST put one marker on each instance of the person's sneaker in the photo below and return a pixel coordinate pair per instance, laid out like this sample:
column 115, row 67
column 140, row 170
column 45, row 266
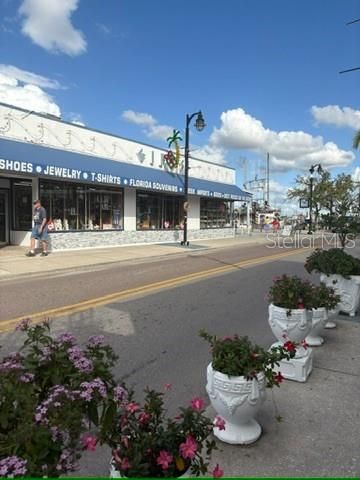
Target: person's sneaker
column 30, row 254
column 44, row 254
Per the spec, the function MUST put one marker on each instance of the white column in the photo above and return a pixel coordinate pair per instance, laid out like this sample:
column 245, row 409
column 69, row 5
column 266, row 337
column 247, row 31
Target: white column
column 129, row 209
column 194, row 213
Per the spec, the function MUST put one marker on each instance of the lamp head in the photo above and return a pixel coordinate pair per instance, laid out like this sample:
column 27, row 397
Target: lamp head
column 200, row 122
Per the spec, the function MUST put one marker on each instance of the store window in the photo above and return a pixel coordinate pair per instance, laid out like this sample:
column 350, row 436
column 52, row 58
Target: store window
column 81, row 207
column 22, row 205
column 158, row 212
column 215, row 213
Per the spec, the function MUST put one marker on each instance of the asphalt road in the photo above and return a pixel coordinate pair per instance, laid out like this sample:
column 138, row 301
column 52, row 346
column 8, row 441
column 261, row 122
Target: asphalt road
column 38, row 293
column 156, row 336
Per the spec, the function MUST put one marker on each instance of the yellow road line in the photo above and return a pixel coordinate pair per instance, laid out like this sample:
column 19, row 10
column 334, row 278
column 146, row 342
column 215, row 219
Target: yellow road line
column 7, row 325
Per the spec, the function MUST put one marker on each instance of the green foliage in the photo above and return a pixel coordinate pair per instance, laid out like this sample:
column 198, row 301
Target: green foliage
column 325, row 297
column 46, row 402
column 347, row 227
column 139, row 433
column 332, row 262
column 237, row 356
column 292, row 292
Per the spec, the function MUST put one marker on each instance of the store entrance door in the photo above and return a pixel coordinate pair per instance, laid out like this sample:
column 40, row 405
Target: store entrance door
column 4, row 218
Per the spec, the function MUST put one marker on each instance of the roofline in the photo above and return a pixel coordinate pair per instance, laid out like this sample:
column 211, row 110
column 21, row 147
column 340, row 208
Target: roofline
column 60, row 120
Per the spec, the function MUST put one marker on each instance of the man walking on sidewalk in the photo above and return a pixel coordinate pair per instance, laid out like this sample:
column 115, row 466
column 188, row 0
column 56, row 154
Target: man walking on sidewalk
column 39, row 230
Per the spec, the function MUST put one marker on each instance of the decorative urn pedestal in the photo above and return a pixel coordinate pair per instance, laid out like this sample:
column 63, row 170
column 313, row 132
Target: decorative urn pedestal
column 347, row 288
column 237, row 400
column 319, row 320
column 293, row 325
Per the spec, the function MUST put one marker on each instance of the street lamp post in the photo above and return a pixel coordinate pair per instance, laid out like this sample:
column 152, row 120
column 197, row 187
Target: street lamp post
column 199, row 125
column 312, row 169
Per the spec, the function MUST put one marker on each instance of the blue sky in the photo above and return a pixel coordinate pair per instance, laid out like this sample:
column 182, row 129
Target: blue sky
column 265, row 73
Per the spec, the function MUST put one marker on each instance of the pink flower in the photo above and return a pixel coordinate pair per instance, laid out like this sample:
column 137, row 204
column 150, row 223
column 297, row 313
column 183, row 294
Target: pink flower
column 217, row 472
column 304, row 344
column 89, row 442
column 188, row 448
column 197, row 403
column 167, row 386
column 164, row 459
column 219, row 423
column 132, row 407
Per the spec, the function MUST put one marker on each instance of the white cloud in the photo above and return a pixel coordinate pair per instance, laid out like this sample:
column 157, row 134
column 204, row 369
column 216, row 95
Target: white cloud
column 288, row 149
column 335, row 115
column 210, row 154
column 30, row 97
column 152, row 128
column 28, row 77
column 48, row 24
column 138, row 118
column 76, row 119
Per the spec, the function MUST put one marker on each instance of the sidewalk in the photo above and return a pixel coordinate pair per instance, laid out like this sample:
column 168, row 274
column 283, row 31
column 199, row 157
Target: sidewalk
column 13, row 261
column 319, row 432
column 318, row 435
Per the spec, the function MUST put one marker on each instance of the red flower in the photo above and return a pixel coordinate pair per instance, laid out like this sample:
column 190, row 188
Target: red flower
column 219, row 423
column 89, row 442
column 144, row 417
column 197, row 403
column 188, row 448
column 217, row 472
column 164, row 459
column 278, row 377
column 289, row 346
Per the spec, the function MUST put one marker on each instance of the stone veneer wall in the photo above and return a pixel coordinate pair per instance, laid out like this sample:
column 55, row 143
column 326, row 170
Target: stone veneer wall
column 77, row 240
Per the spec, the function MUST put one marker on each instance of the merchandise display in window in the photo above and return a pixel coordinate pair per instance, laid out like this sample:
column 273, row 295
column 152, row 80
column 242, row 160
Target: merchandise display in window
column 158, row 212
column 215, row 213
column 81, row 207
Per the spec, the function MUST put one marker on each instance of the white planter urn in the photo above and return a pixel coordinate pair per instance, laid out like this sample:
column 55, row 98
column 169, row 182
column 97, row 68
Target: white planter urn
column 347, row 288
column 319, row 320
column 237, row 401
column 293, row 325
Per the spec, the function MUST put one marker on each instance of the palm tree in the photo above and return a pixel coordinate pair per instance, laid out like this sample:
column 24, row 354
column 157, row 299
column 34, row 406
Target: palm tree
column 356, row 139
column 175, row 139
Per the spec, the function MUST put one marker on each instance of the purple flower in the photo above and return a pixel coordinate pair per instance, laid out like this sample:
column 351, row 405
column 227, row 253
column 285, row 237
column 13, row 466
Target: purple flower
column 120, row 394
column 83, row 364
column 27, row 377
column 96, row 340
column 23, row 325
column 80, row 362
column 12, row 466
column 88, row 389
column 66, row 337
column 11, row 362
column 75, row 353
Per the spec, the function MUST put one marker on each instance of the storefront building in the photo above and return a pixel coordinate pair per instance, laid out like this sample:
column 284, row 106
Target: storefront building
column 103, row 190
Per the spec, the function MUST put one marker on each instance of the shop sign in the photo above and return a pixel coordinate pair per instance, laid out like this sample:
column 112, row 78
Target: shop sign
column 75, row 174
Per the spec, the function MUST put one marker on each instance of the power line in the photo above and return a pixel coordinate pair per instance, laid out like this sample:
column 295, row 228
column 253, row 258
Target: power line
column 350, row 70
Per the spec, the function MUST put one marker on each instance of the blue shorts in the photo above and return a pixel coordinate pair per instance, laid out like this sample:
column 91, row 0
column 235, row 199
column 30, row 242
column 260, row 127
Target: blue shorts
column 43, row 235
